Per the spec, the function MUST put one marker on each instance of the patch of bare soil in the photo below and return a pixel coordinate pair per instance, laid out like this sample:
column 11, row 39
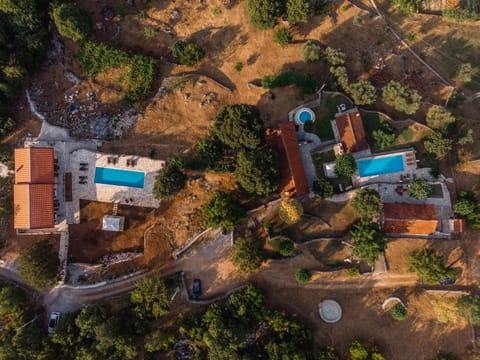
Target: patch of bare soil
column 18, row 243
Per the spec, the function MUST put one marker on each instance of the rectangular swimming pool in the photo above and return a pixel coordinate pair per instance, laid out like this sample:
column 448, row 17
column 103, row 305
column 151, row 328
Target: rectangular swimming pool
column 119, row 177
column 380, row 165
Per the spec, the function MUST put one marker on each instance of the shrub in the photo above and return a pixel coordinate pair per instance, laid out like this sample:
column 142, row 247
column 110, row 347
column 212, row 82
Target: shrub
column 311, row 52
column 464, row 73
column 429, row 267
column 303, row 81
column 334, row 57
column 436, row 144
column 345, row 165
column 239, row 126
column 323, row 187
column 169, row 181
column 319, row 7
column 384, row 137
column 39, row 265
column 297, row 11
column 258, row 172
column 72, row 21
column 469, row 307
column 282, row 37
column 420, row 189
column 407, row 134
column 303, row 276
column 189, row 54
column 399, row 312
column 401, row 98
column 445, row 309
column 239, row 66
column 367, row 203
column 408, row 6
column 353, row 272
column 368, row 241
column 465, row 206
column 357, row 351
column 439, row 118
column 209, row 152
column 290, row 211
column 284, row 246
column 247, row 254
column 363, row 92
column 223, row 210
column 150, row 31
column 263, row 13
column 340, row 76
column 7, row 124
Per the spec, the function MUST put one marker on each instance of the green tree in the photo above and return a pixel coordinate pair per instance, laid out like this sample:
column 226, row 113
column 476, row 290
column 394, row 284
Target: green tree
column 367, row 203
column 12, row 301
column 189, row 54
column 223, row 210
column 297, row 11
column 469, row 307
column 340, row 76
column 282, row 37
column 420, row 189
column 248, row 304
column 90, row 318
column 408, row 6
column 464, row 73
column 357, row 351
column 334, row 57
column 368, row 241
column 439, row 118
column 345, row 165
column 150, row 298
column 465, row 206
column 263, row 13
column 247, row 254
column 363, row 92
column 158, row 340
column 239, row 126
column 286, row 247
column 39, row 265
column 7, row 124
column 72, row 21
column 169, row 181
column 327, row 353
column 290, row 211
column 323, row 187
column 429, row 267
column 311, row 52
column 303, row 276
column 209, row 151
column 258, row 172
column 401, row 98
column 383, row 137
column 399, row 312
column 436, row 144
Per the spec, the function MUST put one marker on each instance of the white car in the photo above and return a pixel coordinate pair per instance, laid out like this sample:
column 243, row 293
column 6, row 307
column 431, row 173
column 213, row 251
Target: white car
column 53, row 321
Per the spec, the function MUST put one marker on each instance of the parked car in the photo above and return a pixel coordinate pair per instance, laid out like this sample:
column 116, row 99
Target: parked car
column 53, row 321
column 197, row 288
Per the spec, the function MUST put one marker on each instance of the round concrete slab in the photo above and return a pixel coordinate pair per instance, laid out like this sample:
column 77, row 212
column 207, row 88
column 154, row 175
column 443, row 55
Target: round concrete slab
column 330, row 311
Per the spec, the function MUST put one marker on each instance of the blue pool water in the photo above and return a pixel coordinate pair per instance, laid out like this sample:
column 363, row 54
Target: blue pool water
column 119, row 177
column 380, row 166
column 304, row 116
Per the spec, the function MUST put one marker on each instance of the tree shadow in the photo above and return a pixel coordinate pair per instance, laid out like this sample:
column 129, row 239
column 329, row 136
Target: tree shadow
column 215, row 40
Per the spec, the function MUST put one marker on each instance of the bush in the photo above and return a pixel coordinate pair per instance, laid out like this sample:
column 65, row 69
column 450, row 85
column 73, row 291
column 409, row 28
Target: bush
column 311, row 52
column 223, row 210
column 323, row 187
column 263, row 13
column 368, row 241
column 439, row 118
column 384, row 137
column 282, row 37
column 345, row 165
column 429, row 267
column 445, row 309
column 469, row 307
column 150, row 31
column 284, row 246
column 340, row 76
column 39, row 265
column 290, row 211
column 367, row 203
column 408, row 6
column 334, row 57
column 357, row 351
column 297, row 11
column 247, row 254
column 209, row 152
column 303, row 81
column 407, row 134
column 258, row 172
column 189, row 54
column 401, row 98
column 420, row 189
column 363, row 92
column 239, row 126
column 399, row 312
column 465, row 206
column 353, row 272
column 72, row 21
column 465, row 73
column 303, row 276
column 239, row 66
column 436, row 144
column 169, row 181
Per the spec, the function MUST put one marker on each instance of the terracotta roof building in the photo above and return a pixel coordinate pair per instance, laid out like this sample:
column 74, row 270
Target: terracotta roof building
column 293, row 181
column 33, row 189
column 409, row 219
column 348, row 129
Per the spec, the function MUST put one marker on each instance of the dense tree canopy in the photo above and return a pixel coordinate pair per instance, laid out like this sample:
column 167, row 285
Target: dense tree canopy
column 169, row 181
column 39, row 265
column 367, row 203
column 368, row 241
column 439, row 118
column 150, row 298
column 383, row 137
column 334, row 57
column 223, row 210
column 209, row 152
column 290, row 211
column 401, row 98
column 297, row 11
column 12, row 301
column 264, row 13
column 239, row 126
column 420, row 189
column 72, row 21
column 247, row 254
column 435, row 143
column 464, row 206
column 282, row 37
column 323, row 187
column 345, row 165
column 258, row 172
column 429, row 267
column 363, row 92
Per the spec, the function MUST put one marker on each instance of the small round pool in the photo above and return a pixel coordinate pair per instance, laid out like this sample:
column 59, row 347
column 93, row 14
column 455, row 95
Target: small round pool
column 304, row 115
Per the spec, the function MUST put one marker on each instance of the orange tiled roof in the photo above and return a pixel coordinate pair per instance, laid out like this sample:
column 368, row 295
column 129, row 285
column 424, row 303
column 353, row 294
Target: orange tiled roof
column 351, row 131
column 33, row 206
column 413, row 219
column 293, row 181
column 34, row 165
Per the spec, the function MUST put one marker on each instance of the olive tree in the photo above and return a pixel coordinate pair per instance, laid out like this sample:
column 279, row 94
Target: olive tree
column 368, row 241
column 362, row 92
column 297, row 11
column 401, row 98
column 72, row 21
column 429, row 267
column 311, row 52
column 367, row 203
column 169, row 181
column 223, row 210
column 435, row 143
column 263, row 13
column 257, row 172
column 420, row 189
column 439, row 118
column 247, row 254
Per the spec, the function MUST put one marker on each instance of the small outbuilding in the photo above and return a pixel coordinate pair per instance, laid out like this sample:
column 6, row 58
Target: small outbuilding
column 113, row 223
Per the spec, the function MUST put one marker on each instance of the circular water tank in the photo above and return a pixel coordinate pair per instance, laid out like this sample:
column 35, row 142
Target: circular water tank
column 330, row 311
